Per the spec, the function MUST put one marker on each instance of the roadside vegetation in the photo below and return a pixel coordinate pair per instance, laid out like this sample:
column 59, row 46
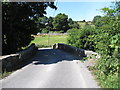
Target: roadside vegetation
column 104, row 38
column 18, row 23
column 5, row 74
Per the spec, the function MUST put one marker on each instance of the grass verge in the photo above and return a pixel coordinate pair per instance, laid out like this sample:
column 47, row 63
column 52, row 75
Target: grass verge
column 5, row 74
column 105, row 81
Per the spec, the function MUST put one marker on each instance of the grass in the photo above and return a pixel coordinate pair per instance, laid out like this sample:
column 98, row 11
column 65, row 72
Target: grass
column 105, row 81
column 42, row 41
column 4, row 74
column 82, row 24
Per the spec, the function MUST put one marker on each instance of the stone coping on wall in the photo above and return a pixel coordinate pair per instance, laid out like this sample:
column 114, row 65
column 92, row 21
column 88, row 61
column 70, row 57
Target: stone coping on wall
column 91, row 56
column 8, row 62
column 6, row 56
column 75, row 50
column 70, row 49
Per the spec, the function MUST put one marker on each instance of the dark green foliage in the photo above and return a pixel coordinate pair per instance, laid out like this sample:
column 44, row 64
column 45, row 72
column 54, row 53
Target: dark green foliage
column 84, row 20
column 50, row 20
column 97, row 21
column 81, row 37
column 41, row 22
column 45, row 24
column 44, row 30
column 109, row 47
column 18, row 23
column 104, row 39
column 60, row 22
column 73, row 24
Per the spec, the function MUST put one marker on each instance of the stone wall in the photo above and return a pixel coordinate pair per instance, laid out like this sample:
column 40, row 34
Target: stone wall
column 8, row 62
column 70, row 49
column 92, row 54
column 76, row 51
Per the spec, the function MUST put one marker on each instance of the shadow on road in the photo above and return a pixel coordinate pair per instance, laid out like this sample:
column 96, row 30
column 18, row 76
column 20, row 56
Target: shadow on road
column 51, row 56
column 48, row 56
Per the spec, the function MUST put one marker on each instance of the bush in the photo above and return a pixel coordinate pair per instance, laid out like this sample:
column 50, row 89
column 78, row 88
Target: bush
column 81, row 38
column 45, row 30
column 104, row 39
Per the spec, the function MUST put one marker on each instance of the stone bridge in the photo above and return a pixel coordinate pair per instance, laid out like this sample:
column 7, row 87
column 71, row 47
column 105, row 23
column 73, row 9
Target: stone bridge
column 60, row 67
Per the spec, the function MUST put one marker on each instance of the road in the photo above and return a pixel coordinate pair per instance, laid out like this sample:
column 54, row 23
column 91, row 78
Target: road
column 51, row 68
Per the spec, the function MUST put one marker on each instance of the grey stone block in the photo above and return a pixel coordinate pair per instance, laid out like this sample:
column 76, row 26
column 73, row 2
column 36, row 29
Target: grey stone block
column 11, row 61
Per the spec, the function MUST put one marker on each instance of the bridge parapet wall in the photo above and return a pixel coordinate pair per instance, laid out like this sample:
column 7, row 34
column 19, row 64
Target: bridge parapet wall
column 70, row 49
column 76, row 51
column 8, row 62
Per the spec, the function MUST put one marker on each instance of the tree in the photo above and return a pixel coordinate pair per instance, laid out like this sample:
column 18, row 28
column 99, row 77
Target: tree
column 41, row 23
column 18, row 23
column 73, row 24
column 97, row 21
column 80, row 38
column 108, row 45
column 84, row 20
column 60, row 22
column 45, row 24
column 50, row 25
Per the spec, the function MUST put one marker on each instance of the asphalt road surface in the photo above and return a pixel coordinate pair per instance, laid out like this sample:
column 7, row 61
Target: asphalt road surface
column 51, row 68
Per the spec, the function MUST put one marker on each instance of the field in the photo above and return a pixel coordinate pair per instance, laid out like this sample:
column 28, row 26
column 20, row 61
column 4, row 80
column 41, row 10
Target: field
column 82, row 24
column 42, row 41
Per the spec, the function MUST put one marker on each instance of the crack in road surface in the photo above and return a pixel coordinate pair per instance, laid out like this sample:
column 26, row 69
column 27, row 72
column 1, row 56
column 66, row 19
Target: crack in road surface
column 51, row 68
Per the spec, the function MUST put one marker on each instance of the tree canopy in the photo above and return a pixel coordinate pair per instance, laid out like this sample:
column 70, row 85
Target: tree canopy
column 73, row 24
column 97, row 21
column 60, row 22
column 18, row 23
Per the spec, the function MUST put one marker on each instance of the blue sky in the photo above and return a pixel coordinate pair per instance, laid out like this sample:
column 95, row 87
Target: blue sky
column 79, row 11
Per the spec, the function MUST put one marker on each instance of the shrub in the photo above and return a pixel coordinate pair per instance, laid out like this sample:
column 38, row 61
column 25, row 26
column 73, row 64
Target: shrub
column 104, row 39
column 81, row 38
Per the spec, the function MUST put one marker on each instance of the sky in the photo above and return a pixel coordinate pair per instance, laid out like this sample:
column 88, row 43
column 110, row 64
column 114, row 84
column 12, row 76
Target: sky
column 79, row 10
